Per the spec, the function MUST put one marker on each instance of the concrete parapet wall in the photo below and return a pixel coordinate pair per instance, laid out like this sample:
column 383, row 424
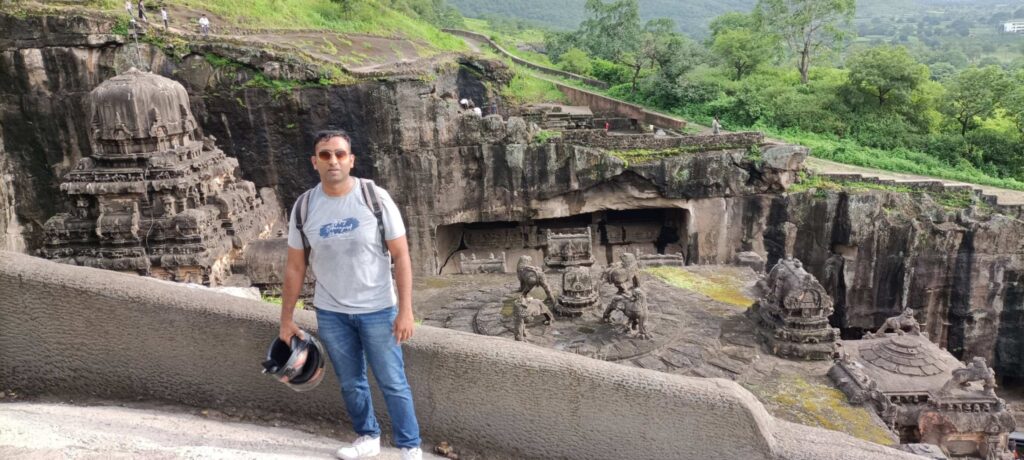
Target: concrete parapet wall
column 600, row 139
column 604, row 106
column 525, row 63
column 75, row 331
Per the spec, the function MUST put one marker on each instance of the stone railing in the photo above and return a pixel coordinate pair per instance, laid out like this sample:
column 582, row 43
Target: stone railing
column 525, row 63
column 72, row 332
column 600, row 139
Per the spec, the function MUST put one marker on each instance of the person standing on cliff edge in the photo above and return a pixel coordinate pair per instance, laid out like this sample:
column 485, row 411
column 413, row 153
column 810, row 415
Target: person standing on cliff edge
column 204, row 26
column 335, row 231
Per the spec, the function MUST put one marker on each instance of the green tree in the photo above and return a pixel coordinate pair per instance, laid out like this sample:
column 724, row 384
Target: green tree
column 576, row 61
column 808, row 27
column 940, row 71
column 731, row 21
column 743, row 49
column 611, row 29
column 655, row 45
column 558, row 43
column 1014, row 104
column 975, row 93
column 886, row 73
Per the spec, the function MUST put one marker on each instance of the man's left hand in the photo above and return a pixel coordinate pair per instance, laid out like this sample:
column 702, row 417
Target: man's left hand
column 403, row 327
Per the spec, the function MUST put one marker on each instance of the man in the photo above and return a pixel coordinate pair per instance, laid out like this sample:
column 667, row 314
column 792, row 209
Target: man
column 163, row 15
column 204, row 26
column 716, row 126
column 142, row 12
column 355, row 295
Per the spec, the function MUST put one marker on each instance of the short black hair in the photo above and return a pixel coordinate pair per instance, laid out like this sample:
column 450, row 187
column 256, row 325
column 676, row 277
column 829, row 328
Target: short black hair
column 326, row 134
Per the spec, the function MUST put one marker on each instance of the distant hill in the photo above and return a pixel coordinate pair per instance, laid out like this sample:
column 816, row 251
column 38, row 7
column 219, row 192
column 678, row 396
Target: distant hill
column 691, row 16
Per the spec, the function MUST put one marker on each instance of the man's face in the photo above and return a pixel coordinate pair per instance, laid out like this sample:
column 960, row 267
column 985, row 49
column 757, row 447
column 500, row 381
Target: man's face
column 333, row 159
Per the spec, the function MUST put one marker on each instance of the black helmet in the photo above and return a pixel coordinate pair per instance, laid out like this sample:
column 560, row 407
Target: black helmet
column 300, row 366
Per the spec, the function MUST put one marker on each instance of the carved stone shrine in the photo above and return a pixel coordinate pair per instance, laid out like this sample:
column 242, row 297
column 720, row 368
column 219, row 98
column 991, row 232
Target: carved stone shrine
column 791, row 314
column 925, row 395
column 155, row 198
column 578, row 292
column 569, row 249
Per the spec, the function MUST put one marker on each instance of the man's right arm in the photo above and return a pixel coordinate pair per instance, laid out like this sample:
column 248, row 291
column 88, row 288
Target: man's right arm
column 294, row 276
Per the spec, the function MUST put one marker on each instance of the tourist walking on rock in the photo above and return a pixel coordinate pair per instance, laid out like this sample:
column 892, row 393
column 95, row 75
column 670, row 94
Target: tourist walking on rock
column 348, row 231
column 163, row 16
column 128, row 8
column 142, row 12
column 204, row 26
column 716, row 126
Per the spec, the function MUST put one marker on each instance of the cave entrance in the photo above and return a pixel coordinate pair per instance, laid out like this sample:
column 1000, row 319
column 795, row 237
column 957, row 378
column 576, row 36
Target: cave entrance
column 644, row 231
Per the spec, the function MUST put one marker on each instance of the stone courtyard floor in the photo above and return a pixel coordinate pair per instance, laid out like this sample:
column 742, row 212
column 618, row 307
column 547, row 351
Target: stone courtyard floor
column 698, row 329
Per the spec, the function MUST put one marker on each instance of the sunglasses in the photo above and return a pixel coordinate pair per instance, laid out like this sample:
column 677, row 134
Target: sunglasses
column 325, row 155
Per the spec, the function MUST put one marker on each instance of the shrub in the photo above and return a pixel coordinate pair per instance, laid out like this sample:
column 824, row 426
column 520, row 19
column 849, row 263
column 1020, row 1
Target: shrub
column 575, row 61
column 609, row 72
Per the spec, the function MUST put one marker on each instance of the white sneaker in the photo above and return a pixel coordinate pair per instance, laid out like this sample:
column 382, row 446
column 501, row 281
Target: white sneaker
column 363, row 447
column 413, row 453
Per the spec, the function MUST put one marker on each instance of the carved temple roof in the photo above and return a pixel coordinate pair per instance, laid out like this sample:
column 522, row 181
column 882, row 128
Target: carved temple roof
column 139, row 105
column 902, row 363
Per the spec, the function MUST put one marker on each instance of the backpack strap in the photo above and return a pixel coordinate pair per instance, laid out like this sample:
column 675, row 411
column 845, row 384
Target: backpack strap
column 301, row 211
column 371, row 199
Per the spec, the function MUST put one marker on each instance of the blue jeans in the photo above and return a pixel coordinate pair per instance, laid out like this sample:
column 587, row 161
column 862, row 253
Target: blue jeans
column 351, row 340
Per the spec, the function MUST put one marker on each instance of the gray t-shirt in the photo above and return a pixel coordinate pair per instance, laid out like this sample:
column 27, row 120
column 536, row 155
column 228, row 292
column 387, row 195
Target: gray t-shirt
column 353, row 273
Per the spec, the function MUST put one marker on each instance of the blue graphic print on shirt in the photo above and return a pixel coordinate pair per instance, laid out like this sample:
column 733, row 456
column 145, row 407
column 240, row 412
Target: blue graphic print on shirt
column 338, row 228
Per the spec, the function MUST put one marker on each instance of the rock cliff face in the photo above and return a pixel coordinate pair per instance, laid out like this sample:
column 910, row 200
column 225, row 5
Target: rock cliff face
column 876, row 251
column 11, row 238
column 49, row 64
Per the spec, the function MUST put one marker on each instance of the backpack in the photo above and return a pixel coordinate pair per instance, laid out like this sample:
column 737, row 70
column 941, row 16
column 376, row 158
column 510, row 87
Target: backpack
column 369, row 197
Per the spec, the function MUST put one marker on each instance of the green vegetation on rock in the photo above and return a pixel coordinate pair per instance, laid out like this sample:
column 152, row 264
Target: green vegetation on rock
column 543, row 135
column 643, row 156
column 793, row 398
column 716, row 286
column 416, row 20
column 526, row 88
column 276, row 300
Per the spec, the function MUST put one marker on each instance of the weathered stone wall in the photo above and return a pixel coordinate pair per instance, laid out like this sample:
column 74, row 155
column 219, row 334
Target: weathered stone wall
column 487, row 181
column 880, row 251
column 79, row 332
column 599, row 138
